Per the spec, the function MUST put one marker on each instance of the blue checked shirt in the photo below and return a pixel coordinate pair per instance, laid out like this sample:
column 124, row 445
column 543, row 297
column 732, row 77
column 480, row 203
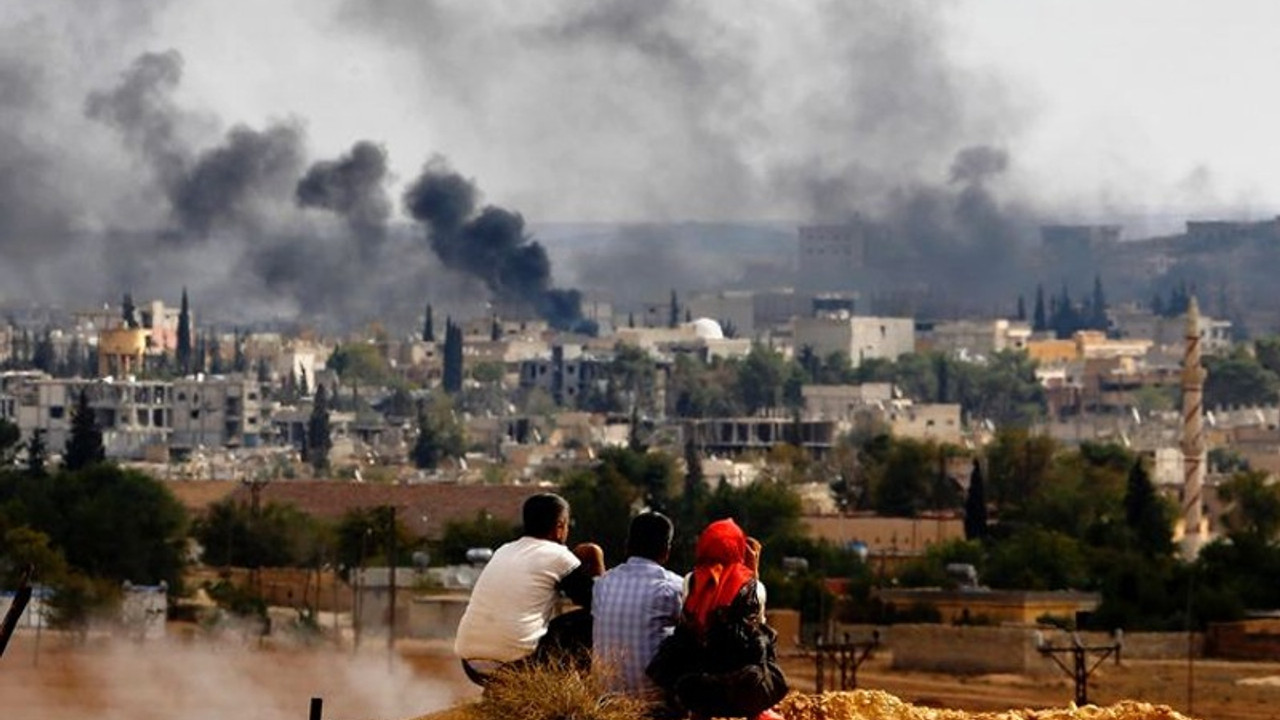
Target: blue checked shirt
column 634, row 606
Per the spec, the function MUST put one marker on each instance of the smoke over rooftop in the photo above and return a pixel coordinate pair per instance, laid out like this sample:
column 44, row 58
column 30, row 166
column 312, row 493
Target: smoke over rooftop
column 490, row 244
column 353, row 186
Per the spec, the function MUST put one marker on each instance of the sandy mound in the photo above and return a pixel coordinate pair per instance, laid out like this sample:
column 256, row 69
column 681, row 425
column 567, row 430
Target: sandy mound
column 877, row 705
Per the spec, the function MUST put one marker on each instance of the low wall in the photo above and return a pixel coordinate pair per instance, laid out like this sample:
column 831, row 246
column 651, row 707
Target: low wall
column 966, row 649
column 435, row 617
column 1245, row 640
column 1148, row 645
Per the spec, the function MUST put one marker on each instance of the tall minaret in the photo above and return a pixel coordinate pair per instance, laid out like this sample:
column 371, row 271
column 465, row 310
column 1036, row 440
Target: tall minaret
column 1193, row 449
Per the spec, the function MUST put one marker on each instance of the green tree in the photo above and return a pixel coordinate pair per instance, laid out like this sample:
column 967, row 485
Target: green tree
column 232, row 533
column 10, row 441
column 360, row 363
column 128, row 311
column 1145, row 515
column 440, row 435
column 481, row 531
column 84, row 443
column 1238, row 379
column 452, row 374
column 364, row 537
column 975, row 505
column 673, row 315
column 1037, row 559
column 37, row 454
column 184, row 336
column 428, row 326
column 1098, row 306
column 108, row 522
column 762, row 379
column 1040, row 322
column 602, row 501
column 319, row 441
column 1253, row 506
column 1018, row 464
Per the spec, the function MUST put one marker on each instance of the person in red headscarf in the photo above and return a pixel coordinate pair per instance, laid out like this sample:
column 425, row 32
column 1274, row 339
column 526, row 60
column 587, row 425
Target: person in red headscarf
column 721, row 660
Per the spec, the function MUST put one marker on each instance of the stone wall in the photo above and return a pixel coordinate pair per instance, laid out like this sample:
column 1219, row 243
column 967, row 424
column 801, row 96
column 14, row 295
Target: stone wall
column 966, row 649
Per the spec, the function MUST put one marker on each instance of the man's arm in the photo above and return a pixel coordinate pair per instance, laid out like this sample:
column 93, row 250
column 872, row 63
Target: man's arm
column 578, row 585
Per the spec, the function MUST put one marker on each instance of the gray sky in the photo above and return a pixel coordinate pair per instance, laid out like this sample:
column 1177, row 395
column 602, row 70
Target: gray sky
column 1126, row 105
column 614, row 110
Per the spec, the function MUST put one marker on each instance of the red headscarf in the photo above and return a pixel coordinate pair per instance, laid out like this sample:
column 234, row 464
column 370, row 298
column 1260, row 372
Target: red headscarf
column 718, row 572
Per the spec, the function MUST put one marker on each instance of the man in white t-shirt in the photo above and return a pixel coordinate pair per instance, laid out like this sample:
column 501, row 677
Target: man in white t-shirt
column 509, row 617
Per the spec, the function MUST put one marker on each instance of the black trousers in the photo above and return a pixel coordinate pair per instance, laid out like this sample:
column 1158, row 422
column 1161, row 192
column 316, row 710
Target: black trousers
column 567, row 641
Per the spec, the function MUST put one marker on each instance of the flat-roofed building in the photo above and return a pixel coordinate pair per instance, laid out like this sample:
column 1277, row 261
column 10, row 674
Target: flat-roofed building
column 858, row 337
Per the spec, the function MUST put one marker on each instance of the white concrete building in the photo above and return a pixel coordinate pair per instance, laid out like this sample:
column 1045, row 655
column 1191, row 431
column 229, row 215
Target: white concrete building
column 858, row 337
column 978, row 337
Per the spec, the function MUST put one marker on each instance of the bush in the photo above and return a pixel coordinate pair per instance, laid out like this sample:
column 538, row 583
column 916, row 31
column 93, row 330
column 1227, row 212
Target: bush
column 553, row 691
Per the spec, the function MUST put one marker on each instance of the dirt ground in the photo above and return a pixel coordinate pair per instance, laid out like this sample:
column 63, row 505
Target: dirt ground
column 195, row 680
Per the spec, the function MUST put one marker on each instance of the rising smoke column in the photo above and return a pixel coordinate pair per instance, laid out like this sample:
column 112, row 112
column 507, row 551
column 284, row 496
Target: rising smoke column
column 353, row 186
column 141, row 108
column 490, row 245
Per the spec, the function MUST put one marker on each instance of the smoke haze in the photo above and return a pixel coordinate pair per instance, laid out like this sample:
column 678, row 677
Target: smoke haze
column 208, row 680
column 151, row 146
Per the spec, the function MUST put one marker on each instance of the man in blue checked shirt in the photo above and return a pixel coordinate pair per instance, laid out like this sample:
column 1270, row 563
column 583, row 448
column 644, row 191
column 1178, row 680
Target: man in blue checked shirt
column 634, row 606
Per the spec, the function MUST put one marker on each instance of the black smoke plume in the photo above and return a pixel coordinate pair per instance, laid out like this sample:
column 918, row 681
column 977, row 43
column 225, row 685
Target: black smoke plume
column 141, row 108
column 223, row 189
column 490, row 245
column 353, row 186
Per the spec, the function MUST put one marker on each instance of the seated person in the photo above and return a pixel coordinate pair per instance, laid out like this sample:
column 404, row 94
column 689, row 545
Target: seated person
column 635, row 607
column 509, row 617
column 721, row 660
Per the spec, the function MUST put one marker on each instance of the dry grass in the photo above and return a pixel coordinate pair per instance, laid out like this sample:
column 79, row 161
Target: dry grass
column 553, row 692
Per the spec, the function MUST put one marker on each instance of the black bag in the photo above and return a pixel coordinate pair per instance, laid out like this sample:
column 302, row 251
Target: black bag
column 744, row 691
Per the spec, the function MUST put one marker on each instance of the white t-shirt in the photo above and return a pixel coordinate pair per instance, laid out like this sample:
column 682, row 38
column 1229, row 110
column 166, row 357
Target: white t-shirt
column 513, row 600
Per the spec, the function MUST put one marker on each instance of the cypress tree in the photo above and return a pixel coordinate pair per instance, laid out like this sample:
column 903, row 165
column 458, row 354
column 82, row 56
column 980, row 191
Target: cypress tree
column 37, row 454
column 1039, row 323
column 202, row 354
column 84, row 444
column 495, row 329
column 184, row 336
column 43, row 356
column 1022, row 309
column 319, row 441
column 452, row 374
column 428, row 327
column 975, row 505
column 673, row 318
column 215, row 355
column 128, row 311
column 1098, row 306
column 1144, row 515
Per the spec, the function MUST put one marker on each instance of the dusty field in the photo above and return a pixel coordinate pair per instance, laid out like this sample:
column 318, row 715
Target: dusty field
column 107, row 680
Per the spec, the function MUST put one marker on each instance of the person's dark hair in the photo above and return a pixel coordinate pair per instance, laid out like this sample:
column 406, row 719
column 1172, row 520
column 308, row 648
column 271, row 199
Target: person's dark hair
column 541, row 513
column 650, row 536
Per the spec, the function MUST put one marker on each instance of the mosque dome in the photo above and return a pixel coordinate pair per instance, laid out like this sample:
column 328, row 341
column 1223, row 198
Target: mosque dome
column 707, row 329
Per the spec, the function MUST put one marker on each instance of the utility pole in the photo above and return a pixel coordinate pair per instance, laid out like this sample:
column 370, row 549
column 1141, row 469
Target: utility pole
column 391, row 562
column 1079, row 652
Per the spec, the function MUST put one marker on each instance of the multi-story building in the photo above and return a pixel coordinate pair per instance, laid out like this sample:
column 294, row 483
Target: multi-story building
column 566, row 374
column 833, row 257
column 138, row 415
column 858, row 337
column 217, row 412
